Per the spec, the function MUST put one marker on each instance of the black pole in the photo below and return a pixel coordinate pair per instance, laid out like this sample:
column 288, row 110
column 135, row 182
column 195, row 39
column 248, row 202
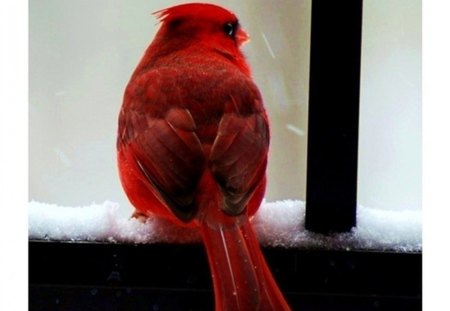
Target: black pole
column 333, row 115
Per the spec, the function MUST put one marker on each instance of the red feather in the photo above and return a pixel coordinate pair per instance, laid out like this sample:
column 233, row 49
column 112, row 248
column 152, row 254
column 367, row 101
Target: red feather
column 192, row 146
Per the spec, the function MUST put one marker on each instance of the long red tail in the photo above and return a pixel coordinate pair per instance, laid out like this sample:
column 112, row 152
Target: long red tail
column 241, row 277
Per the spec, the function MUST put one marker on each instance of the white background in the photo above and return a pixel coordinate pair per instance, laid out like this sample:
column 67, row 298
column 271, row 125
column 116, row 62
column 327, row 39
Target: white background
column 82, row 54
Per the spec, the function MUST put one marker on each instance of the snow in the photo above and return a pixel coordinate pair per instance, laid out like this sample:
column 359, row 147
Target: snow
column 99, row 222
column 277, row 224
column 282, row 224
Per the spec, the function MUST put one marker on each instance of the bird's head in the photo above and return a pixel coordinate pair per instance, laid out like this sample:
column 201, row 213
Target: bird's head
column 202, row 24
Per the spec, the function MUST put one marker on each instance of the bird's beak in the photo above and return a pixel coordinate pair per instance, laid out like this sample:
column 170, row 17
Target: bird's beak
column 242, row 37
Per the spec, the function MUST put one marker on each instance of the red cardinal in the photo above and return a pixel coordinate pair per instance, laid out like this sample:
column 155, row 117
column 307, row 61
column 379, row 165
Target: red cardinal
column 192, row 146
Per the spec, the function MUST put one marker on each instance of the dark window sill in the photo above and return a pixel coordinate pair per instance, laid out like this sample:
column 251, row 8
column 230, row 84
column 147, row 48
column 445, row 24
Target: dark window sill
column 104, row 276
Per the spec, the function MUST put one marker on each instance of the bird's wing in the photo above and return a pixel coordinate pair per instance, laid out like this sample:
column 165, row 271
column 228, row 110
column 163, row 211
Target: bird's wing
column 239, row 153
column 160, row 131
column 161, row 136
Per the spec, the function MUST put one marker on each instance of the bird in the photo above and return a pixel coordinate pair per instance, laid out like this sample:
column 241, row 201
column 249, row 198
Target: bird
column 192, row 146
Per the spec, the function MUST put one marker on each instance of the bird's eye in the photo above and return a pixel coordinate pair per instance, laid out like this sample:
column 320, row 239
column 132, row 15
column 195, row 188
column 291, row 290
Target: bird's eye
column 230, row 29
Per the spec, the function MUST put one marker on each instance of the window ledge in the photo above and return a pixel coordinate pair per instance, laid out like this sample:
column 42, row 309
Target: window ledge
column 162, row 276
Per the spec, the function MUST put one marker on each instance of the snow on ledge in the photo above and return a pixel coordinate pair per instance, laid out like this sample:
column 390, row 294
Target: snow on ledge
column 279, row 223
